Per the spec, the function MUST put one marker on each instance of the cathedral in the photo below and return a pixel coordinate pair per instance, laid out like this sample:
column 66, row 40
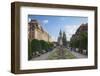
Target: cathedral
column 60, row 41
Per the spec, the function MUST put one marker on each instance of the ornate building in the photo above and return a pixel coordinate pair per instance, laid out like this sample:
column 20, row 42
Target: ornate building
column 82, row 28
column 79, row 40
column 35, row 31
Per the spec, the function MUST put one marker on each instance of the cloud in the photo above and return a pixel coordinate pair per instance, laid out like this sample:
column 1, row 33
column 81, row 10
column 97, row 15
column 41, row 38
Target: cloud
column 45, row 21
column 70, row 30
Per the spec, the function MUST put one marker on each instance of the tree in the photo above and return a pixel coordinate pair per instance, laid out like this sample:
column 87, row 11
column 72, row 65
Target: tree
column 74, row 43
column 64, row 39
column 80, row 41
column 50, row 45
column 44, row 45
column 83, row 40
column 35, row 45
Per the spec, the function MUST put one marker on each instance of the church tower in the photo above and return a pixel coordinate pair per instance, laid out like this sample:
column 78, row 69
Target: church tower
column 60, row 42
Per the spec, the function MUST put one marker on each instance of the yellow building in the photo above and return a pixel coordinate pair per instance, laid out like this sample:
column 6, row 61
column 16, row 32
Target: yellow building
column 35, row 31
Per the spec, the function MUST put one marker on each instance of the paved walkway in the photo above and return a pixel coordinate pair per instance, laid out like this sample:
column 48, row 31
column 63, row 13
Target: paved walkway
column 44, row 56
column 78, row 55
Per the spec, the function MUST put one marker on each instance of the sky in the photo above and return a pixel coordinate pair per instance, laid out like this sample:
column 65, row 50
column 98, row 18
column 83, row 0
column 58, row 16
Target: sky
column 53, row 24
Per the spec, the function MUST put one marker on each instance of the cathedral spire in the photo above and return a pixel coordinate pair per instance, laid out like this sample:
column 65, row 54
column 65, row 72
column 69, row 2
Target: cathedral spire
column 60, row 38
column 60, row 33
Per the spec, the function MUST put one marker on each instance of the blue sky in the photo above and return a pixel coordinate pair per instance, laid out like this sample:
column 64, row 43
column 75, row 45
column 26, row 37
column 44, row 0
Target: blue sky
column 53, row 24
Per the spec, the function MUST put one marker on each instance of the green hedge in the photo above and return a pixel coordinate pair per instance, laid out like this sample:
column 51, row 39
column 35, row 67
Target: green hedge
column 38, row 45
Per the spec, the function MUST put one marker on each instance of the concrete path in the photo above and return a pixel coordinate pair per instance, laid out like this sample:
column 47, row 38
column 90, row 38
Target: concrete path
column 78, row 55
column 44, row 56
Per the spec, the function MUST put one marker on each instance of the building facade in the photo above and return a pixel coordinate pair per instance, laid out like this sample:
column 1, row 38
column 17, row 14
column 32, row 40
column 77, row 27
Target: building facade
column 82, row 28
column 35, row 31
column 79, row 40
